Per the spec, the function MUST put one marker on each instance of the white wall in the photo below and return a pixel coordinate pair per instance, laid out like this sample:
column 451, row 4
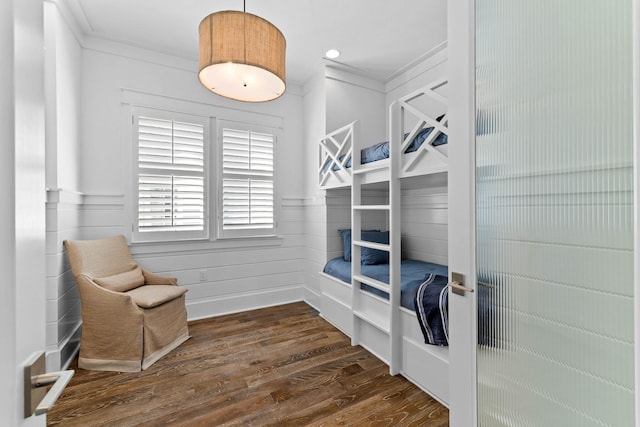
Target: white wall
column 425, row 219
column 9, row 394
column 432, row 67
column 221, row 276
column 63, row 57
column 333, row 98
column 351, row 97
column 22, row 217
column 315, row 215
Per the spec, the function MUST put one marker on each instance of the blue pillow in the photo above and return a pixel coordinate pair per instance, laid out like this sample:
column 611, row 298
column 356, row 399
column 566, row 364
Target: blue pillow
column 346, row 242
column 374, row 153
column 368, row 256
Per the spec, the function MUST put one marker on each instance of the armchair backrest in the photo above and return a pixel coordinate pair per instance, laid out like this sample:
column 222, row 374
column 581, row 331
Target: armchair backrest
column 99, row 258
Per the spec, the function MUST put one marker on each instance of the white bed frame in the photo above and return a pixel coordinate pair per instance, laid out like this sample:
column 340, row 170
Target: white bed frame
column 386, row 329
column 427, row 366
column 345, row 141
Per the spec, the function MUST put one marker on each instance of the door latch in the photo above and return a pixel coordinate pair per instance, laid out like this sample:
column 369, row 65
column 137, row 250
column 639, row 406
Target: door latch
column 457, row 284
column 36, row 398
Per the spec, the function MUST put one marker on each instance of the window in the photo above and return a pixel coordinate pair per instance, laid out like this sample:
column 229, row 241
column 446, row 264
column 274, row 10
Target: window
column 247, row 188
column 170, row 173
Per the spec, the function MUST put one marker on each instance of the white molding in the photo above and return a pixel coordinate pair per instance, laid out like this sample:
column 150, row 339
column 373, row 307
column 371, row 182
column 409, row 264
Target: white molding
column 79, row 16
column 54, row 360
column 60, row 195
column 292, row 202
column 203, row 309
column 70, row 19
column 316, row 200
column 199, row 247
column 140, row 54
column 311, row 297
column 636, row 202
column 151, row 100
column 103, row 200
column 350, row 76
column 436, row 56
column 161, row 58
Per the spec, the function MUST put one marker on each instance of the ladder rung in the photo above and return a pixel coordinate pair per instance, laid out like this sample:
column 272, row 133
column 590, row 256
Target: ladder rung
column 372, row 245
column 381, row 286
column 370, row 320
column 365, row 169
column 371, row 207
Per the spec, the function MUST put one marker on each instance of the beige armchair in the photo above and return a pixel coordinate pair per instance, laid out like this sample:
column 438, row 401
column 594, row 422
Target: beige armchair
column 130, row 316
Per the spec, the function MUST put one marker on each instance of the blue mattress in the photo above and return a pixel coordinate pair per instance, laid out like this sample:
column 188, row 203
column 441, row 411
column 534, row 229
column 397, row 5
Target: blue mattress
column 412, row 274
column 381, row 150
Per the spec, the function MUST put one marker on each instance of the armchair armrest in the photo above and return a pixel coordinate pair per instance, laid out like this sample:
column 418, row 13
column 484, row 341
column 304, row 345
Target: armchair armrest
column 156, row 279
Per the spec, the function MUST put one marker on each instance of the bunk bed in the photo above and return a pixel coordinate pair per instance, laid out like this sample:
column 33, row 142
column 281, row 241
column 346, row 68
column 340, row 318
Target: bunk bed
column 424, row 147
column 377, row 312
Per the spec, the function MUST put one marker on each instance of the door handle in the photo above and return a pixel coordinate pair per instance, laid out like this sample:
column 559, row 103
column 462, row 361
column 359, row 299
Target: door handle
column 457, row 284
column 36, row 398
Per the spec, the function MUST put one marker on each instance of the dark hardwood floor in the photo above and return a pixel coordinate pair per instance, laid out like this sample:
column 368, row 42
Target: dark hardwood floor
column 279, row 366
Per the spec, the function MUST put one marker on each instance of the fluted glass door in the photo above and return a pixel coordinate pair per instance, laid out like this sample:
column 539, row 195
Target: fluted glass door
column 554, row 213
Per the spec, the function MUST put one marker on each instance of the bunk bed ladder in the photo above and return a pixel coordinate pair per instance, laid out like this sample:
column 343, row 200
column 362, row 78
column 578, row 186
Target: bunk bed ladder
column 390, row 327
column 395, row 224
column 359, row 315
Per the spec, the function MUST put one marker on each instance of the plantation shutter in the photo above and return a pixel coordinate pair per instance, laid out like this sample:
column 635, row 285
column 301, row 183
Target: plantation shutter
column 171, row 181
column 247, row 180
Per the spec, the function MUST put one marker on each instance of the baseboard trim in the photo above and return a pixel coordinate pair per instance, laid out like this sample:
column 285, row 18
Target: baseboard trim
column 313, row 298
column 203, row 309
column 60, row 358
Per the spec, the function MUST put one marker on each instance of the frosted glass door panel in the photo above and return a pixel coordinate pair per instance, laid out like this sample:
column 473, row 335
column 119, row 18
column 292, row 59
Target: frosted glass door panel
column 554, row 177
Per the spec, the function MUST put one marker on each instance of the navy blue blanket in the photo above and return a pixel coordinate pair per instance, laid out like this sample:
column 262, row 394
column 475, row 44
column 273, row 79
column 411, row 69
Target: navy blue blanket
column 423, row 285
column 431, row 303
column 412, row 274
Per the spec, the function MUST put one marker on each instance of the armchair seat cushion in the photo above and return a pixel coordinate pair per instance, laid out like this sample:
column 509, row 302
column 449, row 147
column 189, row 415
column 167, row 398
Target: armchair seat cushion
column 149, row 296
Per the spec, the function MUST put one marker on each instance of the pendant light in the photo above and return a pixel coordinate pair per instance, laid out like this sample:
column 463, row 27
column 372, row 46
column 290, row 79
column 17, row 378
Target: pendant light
column 242, row 56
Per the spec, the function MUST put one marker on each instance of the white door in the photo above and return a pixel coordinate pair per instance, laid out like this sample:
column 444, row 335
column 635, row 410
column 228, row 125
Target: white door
column 541, row 206
column 462, row 308
column 22, row 215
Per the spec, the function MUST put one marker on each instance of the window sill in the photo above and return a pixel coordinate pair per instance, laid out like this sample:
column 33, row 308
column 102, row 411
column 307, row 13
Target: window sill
column 195, row 246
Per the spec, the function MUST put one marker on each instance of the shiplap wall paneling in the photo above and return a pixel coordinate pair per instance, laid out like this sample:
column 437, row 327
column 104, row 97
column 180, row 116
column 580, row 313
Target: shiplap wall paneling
column 424, row 224
column 315, row 214
column 62, row 299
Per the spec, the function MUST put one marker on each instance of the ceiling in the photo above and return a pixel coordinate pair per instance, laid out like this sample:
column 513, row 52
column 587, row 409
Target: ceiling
column 376, row 37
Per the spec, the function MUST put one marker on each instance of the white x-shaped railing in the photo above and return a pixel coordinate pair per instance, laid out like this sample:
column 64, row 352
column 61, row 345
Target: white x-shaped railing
column 439, row 127
column 336, row 150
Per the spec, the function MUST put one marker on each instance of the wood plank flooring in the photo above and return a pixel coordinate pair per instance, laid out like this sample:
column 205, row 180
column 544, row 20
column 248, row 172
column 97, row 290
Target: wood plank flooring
column 279, row 366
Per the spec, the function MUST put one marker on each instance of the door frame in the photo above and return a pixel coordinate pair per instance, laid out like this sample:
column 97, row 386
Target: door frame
column 461, row 71
column 462, row 218
column 636, row 197
column 22, row 220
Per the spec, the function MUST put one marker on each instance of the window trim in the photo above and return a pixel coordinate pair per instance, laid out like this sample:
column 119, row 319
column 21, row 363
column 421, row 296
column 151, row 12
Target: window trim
column 169, row 236
column 248, row 232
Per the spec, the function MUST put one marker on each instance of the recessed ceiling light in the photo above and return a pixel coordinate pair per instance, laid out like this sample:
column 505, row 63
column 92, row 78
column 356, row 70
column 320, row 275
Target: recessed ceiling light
column 332, row 53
